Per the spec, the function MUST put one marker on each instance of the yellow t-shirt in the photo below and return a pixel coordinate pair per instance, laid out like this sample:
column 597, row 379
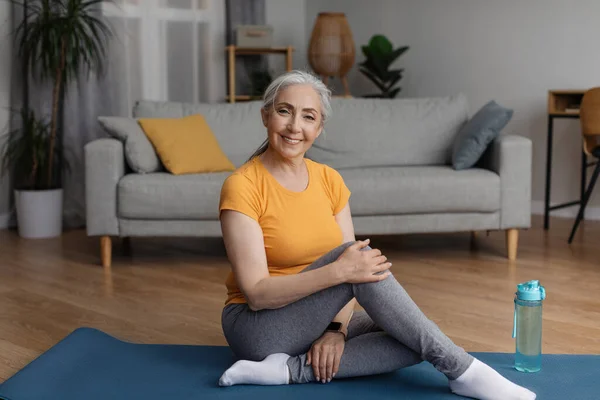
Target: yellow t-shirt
column 298, row 227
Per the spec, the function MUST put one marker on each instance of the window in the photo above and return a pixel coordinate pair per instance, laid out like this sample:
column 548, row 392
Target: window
column 173, row 50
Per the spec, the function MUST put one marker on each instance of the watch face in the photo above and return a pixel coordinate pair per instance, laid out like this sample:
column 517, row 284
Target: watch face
column 334, row 326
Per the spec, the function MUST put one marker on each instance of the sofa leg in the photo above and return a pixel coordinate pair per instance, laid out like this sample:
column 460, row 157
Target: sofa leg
column 106, row 251
column 473, row 241
column 512, row 243
column 126, row 241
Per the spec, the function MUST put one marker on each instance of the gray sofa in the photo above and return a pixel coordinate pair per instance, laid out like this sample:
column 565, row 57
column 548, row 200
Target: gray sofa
column 394, row 156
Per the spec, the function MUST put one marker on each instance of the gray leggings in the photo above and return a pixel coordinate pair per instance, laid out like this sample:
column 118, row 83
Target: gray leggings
column 392, row 334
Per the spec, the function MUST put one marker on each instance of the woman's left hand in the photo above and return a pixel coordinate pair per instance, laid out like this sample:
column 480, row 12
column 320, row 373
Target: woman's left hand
column 325, row 355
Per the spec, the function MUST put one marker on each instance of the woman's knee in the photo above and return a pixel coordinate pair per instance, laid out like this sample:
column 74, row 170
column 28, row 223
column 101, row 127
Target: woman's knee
column 350, row 243
column 345, row 245
column 249, row 353
column 329, row 257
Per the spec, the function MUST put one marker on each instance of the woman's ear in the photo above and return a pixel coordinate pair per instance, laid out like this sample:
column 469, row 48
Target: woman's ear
column 320, row 131
column 265, row 116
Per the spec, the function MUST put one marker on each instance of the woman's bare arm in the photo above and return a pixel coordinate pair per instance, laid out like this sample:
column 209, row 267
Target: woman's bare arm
column 245, row 248
column 344, row 220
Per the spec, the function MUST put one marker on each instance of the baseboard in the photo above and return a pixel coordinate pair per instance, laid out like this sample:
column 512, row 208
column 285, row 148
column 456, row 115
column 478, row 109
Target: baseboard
column 592, row 213
column 4, row 220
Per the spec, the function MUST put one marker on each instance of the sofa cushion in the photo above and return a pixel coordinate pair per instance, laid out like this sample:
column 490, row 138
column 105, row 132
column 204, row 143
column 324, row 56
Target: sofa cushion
column 186, row 145
column 375, row 191
column 476, row 135
column 390, row 132
column 237, row 127
column 165, row 196
column 139, row 152
column 426, row 189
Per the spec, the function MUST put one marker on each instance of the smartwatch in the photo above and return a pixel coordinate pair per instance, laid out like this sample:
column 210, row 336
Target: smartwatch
column 335, row 327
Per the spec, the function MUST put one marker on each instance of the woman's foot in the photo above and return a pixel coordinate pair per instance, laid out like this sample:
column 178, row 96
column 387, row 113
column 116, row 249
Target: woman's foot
column 482, row 382
column 273, row 370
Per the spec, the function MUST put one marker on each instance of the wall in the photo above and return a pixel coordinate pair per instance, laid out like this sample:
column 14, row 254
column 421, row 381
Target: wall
column 5, row 75
column 287, row 19
column 512, row 51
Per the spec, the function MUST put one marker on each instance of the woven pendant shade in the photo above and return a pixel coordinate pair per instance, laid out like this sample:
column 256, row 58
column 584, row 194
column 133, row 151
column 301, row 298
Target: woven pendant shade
column 331, row 50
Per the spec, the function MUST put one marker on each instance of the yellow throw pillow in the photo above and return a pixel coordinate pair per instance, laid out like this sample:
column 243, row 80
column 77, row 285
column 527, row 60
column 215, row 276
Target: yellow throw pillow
column 186, row 145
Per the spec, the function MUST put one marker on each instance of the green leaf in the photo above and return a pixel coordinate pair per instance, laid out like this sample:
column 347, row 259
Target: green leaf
column 393, row 93
column 393, row 81
column 378, row 82
column 396, row 53
column 25, row 151
column 374, row 68
column 380, row 44
column 392, row 74
column 369, row 52
column 380, row 54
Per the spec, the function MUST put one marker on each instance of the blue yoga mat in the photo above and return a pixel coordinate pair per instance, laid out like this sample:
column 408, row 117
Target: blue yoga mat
column 89, row 364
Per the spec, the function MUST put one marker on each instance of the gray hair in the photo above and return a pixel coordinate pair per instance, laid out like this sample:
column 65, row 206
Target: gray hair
column 291, row 78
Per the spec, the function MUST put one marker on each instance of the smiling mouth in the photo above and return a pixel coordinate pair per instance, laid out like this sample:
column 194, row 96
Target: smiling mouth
column 290, row 141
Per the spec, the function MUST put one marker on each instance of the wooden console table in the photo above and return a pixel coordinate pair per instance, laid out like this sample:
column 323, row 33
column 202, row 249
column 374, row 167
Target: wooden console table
column 562, row 104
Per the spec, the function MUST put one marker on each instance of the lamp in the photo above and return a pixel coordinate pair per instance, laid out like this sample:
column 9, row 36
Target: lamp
column 331, row 49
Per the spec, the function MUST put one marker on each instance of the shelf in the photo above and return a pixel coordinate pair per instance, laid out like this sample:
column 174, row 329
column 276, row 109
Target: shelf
column 568, row 91
column 259, row 50
column 564, row 114
column 560, row 100
column 234, row 51
column 244, row 97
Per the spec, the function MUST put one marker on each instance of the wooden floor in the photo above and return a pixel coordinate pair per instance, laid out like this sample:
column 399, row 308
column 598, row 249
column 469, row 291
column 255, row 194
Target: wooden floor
column 172, row 291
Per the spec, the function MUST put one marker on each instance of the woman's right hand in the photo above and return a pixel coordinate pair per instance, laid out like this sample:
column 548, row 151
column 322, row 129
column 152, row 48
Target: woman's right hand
column 360, row 266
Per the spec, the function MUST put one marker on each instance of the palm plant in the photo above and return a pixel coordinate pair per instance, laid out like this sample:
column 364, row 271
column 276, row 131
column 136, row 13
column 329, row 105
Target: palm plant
column 59, row 39
column 25, row 151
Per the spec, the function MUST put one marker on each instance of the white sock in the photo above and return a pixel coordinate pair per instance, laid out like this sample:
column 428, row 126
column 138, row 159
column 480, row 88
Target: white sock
column 273, row 370
column 482, row 382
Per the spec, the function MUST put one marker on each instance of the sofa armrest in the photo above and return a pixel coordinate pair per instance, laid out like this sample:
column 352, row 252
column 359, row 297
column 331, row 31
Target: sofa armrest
column 104, row 167
column 510, row 156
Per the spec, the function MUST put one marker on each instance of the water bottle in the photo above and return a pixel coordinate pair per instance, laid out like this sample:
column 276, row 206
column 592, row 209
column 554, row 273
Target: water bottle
column 527, row 326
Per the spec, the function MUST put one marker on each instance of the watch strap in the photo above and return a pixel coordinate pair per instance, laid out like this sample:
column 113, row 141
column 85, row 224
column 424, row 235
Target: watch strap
column 335, row 327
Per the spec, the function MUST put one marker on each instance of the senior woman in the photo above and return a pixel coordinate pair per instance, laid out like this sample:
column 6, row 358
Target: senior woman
column 297, row 270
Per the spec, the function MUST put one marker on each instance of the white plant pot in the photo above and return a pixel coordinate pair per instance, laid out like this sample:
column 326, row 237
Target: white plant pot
column 39, row 213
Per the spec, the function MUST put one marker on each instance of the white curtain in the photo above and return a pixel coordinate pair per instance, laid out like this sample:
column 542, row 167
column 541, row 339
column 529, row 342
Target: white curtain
column 166, row 50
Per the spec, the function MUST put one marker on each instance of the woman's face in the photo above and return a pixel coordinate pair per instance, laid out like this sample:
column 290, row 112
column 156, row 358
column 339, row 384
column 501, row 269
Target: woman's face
column 294, row 122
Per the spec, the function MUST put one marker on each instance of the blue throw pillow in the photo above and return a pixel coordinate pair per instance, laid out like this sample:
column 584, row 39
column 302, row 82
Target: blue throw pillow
column 476, row 135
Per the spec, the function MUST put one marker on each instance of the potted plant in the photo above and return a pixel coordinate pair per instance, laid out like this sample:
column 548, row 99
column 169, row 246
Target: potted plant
column 259, row 81
column 25, row 152
column 58, row 39
column 380, row 54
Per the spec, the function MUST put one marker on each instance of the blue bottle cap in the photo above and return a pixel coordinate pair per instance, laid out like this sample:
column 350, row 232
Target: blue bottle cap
column 531, row 291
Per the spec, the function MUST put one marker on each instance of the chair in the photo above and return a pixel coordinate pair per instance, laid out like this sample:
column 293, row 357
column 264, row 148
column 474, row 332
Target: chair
column 590, row 128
